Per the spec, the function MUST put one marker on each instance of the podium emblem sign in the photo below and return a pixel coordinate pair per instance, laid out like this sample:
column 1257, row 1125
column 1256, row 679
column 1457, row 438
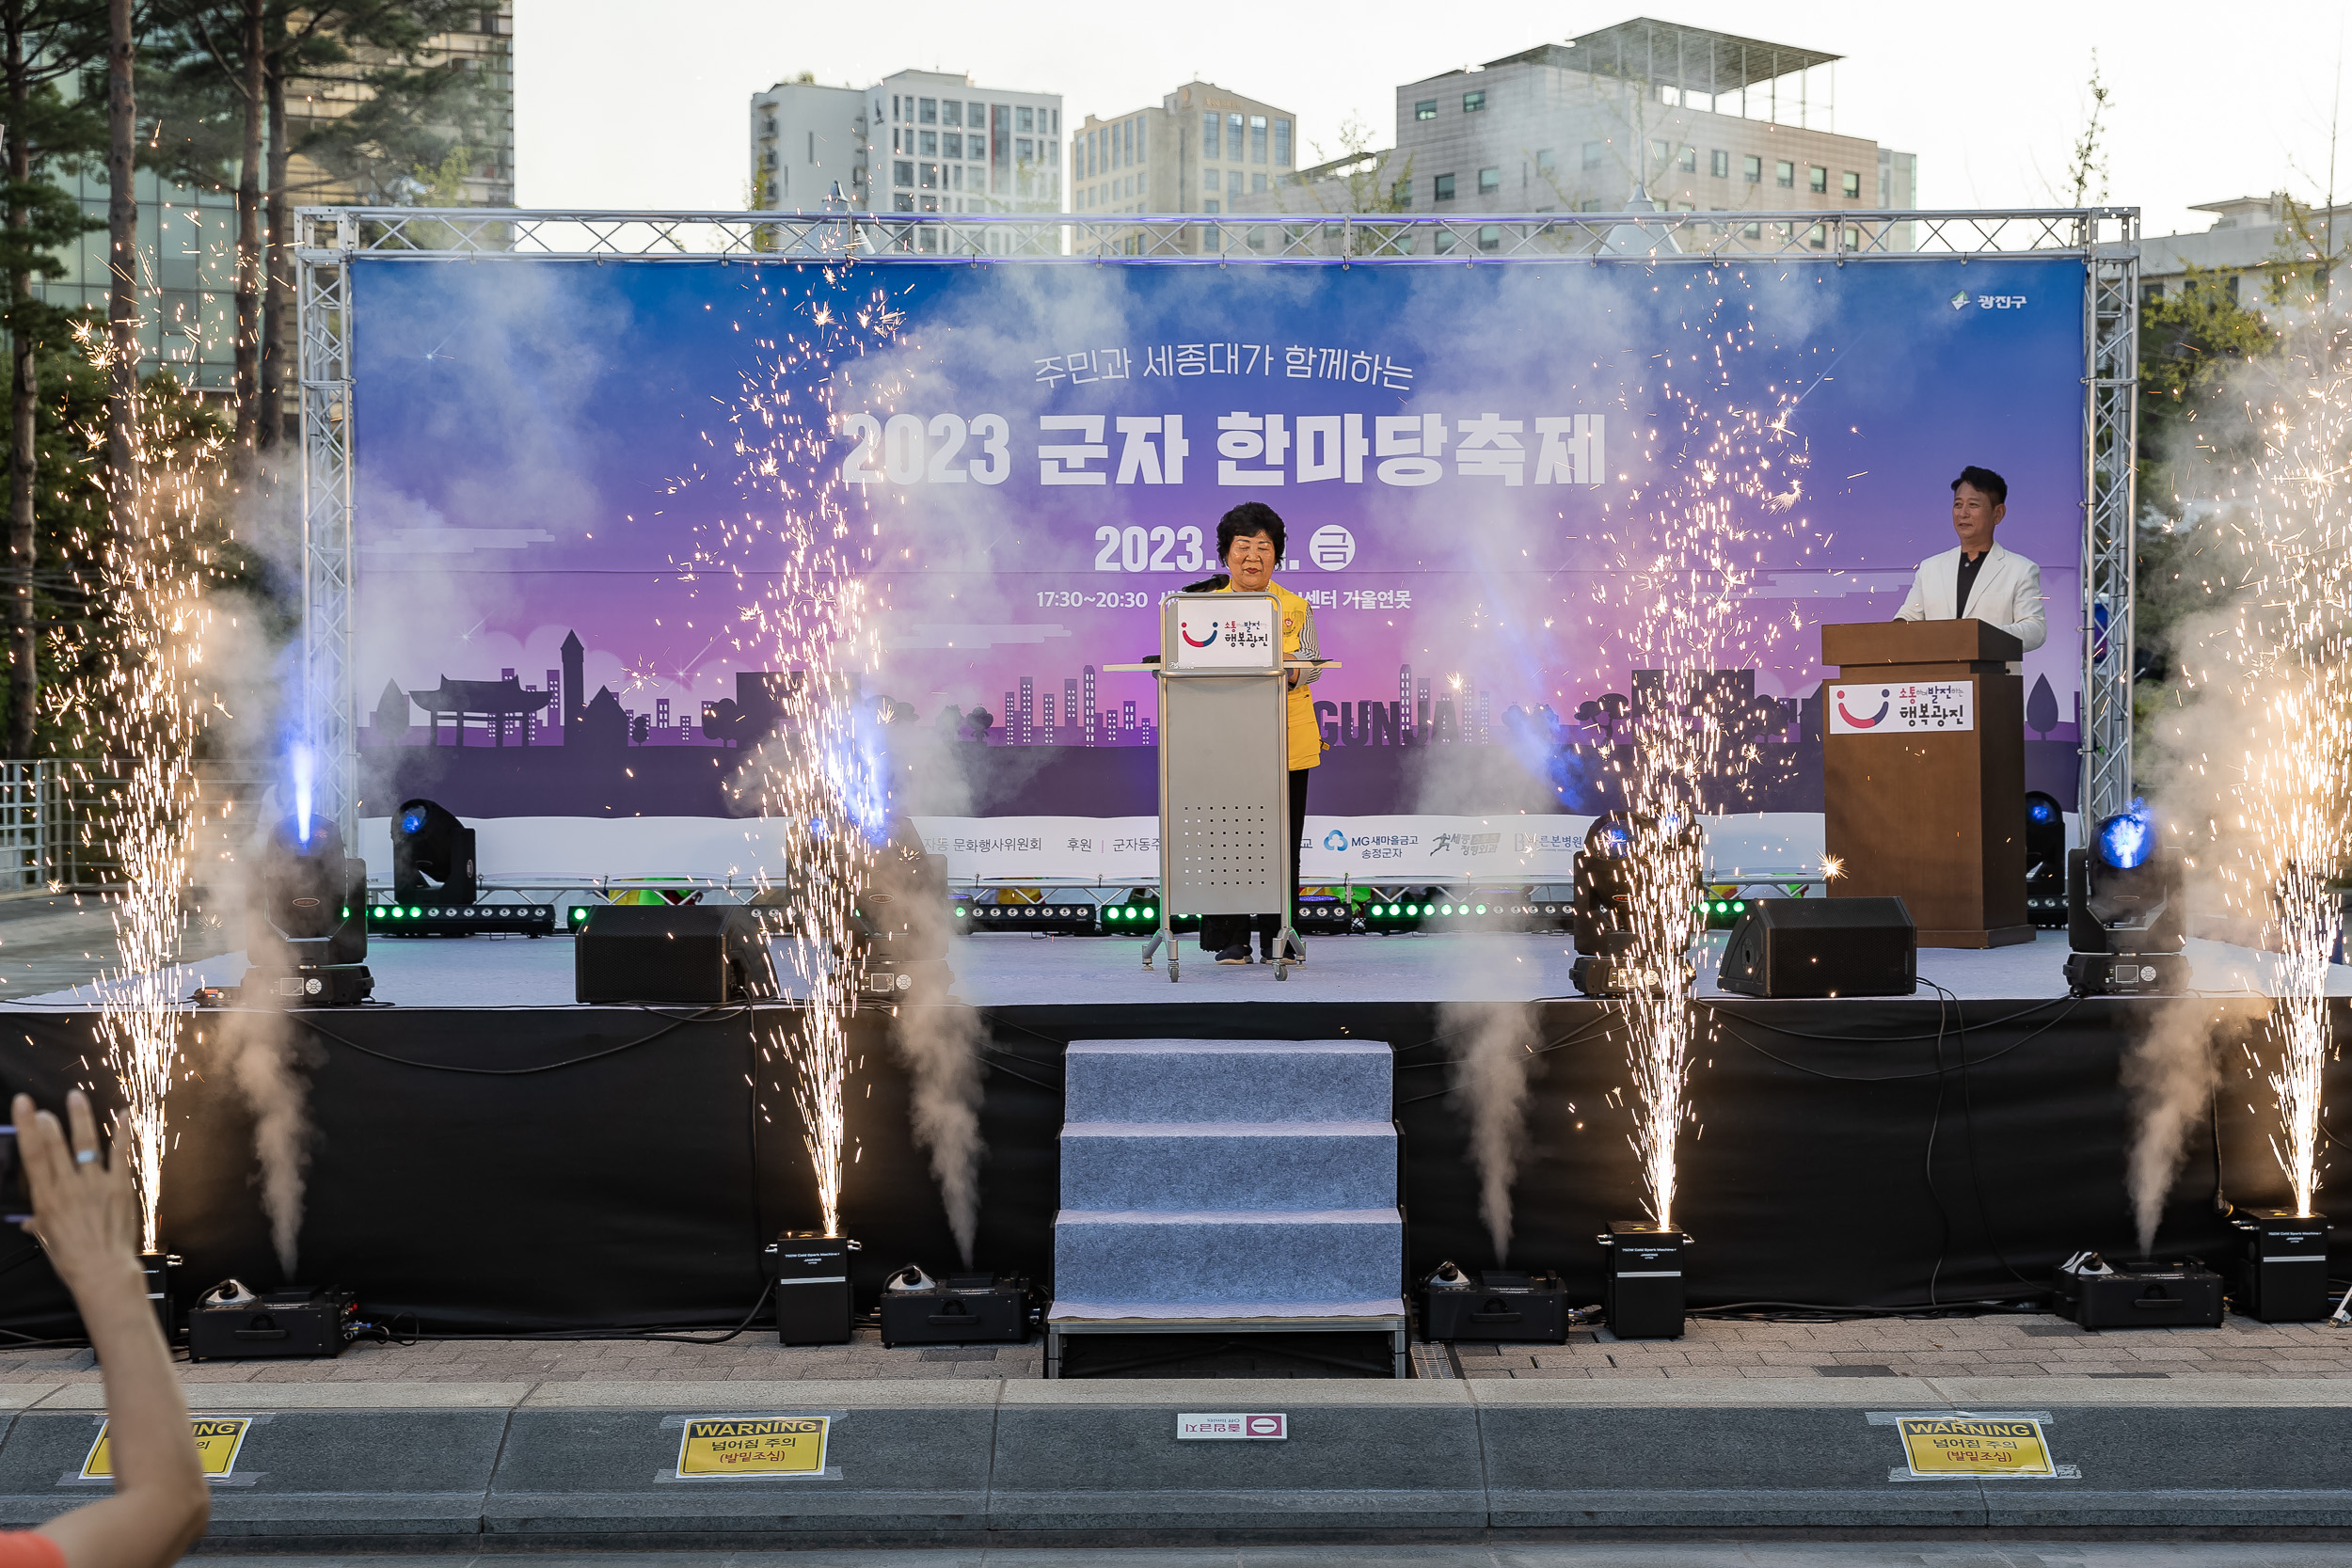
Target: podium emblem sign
column 1902, row 707
column 1238, row 634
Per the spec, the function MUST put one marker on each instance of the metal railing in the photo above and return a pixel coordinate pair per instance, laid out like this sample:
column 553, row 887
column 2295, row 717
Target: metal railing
column 58, row 819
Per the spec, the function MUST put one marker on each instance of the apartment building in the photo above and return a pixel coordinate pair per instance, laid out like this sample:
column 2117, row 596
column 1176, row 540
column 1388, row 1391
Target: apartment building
column 1202, row 149
column 1684, row 118
column 918, row 141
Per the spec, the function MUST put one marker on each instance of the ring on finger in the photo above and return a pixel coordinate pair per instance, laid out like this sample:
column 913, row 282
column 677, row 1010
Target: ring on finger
column 86, row 1156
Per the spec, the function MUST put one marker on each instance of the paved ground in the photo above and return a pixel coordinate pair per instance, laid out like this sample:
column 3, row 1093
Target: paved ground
column 2002, row 1346
column 1695, row 1554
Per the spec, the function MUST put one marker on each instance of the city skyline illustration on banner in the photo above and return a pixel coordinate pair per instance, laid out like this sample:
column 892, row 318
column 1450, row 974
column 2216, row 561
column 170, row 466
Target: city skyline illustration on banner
column 565, row 475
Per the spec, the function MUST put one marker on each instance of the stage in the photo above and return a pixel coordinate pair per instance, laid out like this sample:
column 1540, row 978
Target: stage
column 487, row 1156
column 1016, row 970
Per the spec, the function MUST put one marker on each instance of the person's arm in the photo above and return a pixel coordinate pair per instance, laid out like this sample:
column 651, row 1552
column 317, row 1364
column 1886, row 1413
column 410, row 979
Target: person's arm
column 1914, row 609
column 2030, row 619
column 1308, row 647
column 86, row 1218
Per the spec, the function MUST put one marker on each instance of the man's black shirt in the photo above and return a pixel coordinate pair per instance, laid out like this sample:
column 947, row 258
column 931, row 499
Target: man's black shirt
column 1969, row 565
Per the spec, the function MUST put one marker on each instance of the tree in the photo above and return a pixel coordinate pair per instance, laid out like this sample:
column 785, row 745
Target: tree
column 2086, row 173
column 2191, row 343
column 1605, row 714
column 2042, row 713
column 42, row 43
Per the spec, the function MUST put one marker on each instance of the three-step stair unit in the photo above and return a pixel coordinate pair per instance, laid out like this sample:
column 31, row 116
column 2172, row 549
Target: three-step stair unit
column 1227, row 1187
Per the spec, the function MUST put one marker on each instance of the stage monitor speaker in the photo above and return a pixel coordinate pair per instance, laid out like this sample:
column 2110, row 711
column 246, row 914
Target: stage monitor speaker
column 695, row 953
column 1816, row 947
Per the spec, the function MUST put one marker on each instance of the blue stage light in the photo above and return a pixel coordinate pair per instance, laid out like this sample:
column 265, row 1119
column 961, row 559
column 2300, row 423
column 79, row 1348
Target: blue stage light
column 2041, row 808
column 412, row 822
column 2127, row 839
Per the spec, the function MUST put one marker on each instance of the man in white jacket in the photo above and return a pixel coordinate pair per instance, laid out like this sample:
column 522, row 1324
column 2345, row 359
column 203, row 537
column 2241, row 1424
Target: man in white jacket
column 1979, row 580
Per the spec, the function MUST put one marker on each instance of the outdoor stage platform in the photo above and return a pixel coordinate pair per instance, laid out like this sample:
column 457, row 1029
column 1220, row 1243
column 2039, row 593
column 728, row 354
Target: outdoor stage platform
column 487, row 1156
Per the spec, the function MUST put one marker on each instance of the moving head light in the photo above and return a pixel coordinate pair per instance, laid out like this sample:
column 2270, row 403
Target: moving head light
column 431, row 856
column 308, row 931
column 2126, row 920
column 2045, row 860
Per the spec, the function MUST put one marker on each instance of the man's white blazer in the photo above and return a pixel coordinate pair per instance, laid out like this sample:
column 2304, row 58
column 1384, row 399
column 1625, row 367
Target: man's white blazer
column 2007, row 593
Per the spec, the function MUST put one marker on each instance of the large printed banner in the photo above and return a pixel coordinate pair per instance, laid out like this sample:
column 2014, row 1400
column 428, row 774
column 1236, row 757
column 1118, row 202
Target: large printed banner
column 571, row 480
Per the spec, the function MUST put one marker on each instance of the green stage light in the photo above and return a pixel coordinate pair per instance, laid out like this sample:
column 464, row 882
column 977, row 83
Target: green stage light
column 1482, row 909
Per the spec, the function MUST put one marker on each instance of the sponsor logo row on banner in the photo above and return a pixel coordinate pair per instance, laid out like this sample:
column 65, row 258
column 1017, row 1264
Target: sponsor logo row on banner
column 1367, row 848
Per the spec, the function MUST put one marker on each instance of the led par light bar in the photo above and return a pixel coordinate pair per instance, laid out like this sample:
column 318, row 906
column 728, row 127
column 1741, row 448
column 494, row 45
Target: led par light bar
column 1072, row 917
column 467, row 920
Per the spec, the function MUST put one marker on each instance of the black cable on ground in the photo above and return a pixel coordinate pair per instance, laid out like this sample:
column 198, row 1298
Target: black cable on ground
column 1805, row 1312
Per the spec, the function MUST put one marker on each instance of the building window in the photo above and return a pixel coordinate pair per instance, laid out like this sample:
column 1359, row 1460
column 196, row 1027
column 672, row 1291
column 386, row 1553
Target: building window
column 1024, row 119
column 1719, row 164
column 930, row 204
column 1661, row 151
column 1817, row 179
column 926, row 110
column 1689, row 162
column 1489, row 180
column 1817, row 237
column 931, row 177
column 903, row 203
column 1474, row 101
column 1402, row 195
column 1543, row 160
column 902, row 173
column 1055, row 114
column 1591, row 204
column 1784, row 174
column 1282, row 143
column 1752, row 232
column 1257, row 184
column 1753, row 168
column 1209, row 205
column 1490, row 236
column 1441, row 188
column 976, row 114
column 1212, row 124
column 1025, row 150
column 1445, row 241
column 1853, row 186
column 930, row 145
column 951, row 112
column 1425, row 109
column 1232, row 183
column 1594, row 153
column 2150, row 292
column 1210, row 181
column 950, row 144
column 1257, row 139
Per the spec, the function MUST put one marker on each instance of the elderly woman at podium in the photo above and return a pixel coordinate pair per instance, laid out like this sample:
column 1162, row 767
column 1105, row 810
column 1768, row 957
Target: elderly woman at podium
column 1249, row 542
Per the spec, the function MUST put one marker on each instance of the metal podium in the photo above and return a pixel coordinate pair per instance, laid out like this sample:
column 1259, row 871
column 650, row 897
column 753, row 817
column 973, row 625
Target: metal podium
column 1225, row 840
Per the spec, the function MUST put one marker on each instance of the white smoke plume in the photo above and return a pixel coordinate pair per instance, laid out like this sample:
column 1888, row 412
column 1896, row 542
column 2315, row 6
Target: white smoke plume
column 940, row 1044
column 2168, row 1074
column 1490, row 1082
column 267, row 1063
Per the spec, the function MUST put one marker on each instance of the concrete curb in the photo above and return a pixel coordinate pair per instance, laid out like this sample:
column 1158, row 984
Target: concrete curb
column 519, row 1466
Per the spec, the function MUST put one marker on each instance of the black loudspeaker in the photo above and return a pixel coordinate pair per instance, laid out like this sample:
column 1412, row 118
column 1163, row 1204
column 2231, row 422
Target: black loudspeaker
column 695, row 953
column 1821, row 947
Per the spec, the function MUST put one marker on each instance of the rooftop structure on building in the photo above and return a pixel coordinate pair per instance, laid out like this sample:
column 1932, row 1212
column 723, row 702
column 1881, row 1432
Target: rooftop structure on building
column 918, row 141
column 2250, row 236
column 1642, row 113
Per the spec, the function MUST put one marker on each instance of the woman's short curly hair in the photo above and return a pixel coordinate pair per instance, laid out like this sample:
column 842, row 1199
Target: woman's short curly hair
column 1249, row 517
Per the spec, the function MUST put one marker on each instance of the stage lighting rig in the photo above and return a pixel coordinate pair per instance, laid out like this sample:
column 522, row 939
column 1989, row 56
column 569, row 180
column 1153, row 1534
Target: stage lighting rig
column 2126, row 920
column 2045, row 861
column 899, row 926
column 1137, row 914
column 431, row 856
column 1605, row 873
column 1068, row 916
column 309, row 932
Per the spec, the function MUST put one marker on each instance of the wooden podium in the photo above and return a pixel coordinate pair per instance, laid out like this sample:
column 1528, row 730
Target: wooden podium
column 1923, row 751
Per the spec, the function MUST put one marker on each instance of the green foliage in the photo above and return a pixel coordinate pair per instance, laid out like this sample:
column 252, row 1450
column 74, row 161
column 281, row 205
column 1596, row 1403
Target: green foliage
column 2191, row 343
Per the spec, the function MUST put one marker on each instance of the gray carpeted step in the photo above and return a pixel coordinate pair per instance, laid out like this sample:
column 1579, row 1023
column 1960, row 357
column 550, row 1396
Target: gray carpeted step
column 1207, row 1081
column 1227, row 1166
column 1237, row 1263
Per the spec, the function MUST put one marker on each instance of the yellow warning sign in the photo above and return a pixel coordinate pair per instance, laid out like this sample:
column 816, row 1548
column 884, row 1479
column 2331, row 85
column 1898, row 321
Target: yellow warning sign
column 218, row 1439
column 753, row 1446
column 1962, row 1446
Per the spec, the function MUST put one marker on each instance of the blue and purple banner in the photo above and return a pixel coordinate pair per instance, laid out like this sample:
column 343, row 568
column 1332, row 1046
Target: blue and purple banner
column 559, row 485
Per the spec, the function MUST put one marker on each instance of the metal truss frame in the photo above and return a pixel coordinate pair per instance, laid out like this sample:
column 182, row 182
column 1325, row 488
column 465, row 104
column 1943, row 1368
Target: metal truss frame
column 2106, row 239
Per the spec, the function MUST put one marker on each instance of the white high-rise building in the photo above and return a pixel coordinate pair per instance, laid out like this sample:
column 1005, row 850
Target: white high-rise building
column 918, row 141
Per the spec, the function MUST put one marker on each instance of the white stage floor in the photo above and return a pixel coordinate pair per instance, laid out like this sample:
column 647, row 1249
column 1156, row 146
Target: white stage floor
column 1013, row 969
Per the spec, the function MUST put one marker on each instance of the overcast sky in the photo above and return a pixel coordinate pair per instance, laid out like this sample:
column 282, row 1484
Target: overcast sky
column 639, row 103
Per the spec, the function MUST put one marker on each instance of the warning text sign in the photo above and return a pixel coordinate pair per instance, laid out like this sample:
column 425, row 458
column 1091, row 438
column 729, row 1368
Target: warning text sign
column 753, row 1446
column 1964, row 1445
column 217, row 1440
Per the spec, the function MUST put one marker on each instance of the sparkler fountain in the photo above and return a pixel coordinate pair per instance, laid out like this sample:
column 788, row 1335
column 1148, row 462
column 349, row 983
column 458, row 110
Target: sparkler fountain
column 1732, row 491
column 141, row 703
